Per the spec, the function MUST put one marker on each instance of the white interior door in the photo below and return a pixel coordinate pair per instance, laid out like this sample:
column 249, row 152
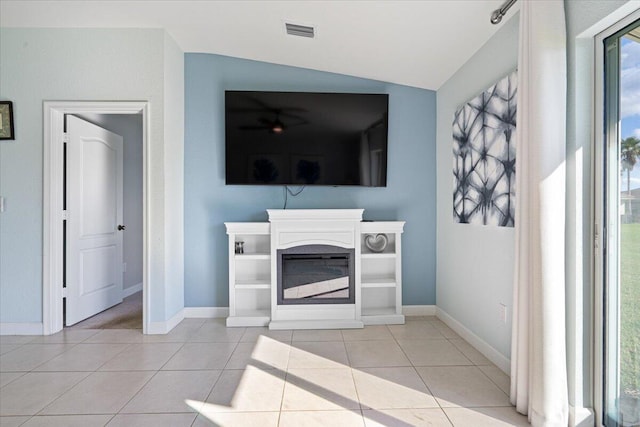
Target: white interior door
column 94, row 220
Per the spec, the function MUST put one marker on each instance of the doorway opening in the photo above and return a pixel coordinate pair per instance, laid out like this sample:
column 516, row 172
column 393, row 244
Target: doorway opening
column 130, row 118
column 123, row 305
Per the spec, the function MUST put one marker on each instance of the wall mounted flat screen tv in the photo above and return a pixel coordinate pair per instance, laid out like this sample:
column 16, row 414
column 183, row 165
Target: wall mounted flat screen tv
column 302, row 138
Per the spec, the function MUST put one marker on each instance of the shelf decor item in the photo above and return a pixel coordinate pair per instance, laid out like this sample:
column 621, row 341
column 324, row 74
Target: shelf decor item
column 376, row 242
column 6, row 120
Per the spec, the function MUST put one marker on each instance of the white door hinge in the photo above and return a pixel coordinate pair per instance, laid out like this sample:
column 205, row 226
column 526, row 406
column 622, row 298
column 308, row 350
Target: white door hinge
column 65, row 215
column 65, row 138
column 64, row 292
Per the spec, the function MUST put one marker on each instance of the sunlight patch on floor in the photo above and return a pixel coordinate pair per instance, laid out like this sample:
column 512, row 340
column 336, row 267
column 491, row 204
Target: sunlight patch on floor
column 261, row 387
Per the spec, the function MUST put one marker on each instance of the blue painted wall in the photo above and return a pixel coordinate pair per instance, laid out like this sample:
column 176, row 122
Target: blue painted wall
column 410, row 194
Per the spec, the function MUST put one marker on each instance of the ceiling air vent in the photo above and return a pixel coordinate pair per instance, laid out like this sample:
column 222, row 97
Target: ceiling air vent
column 299, row 30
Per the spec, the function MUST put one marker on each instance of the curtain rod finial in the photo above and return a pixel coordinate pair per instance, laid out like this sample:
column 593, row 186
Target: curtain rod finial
column 496, row 16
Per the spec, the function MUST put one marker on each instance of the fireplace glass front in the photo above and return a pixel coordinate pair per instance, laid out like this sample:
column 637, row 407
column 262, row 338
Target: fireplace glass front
column 316, row 274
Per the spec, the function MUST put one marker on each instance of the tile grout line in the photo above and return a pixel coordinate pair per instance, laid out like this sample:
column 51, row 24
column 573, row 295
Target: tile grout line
column 83, row 379
column 478, row 366
column 353, row 379
column 213, row 386
column 128, row 345
column 493, row 382
column 442, row 409
column 33, row 371
column 417, row 373
column 284, row 385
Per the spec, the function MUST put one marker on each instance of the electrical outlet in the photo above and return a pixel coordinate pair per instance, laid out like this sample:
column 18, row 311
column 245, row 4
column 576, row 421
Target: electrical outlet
column 503, row 313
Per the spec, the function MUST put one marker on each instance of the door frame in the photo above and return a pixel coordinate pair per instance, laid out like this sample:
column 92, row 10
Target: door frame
column 599, row 237
column 53, row 190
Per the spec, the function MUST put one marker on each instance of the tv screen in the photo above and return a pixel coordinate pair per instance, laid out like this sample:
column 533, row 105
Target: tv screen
column 301, row 138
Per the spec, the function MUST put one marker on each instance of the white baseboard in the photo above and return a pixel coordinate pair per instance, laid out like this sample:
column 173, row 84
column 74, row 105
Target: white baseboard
column 489, row 352
column 419, row 310
column 206, row 312
column 26, row 328
column 315, row 324
column 158, row 328
column 220, row 312
column 127, row 292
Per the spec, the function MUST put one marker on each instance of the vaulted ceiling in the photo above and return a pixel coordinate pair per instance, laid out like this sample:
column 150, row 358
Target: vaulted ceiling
column 415, row 43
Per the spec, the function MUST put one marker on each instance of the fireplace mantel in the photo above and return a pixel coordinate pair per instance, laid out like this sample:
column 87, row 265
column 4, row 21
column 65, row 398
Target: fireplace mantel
column 253, row 274
column 315, row 214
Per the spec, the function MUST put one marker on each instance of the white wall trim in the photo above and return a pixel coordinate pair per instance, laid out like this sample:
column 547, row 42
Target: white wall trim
column 581, row 417
column 206, row 312
column 489, row 352
column 127, row 292
column 51, row 219
column 54, row 112
column 26, row 328
column 221, row 312
column 159, row 328
column 419, row 310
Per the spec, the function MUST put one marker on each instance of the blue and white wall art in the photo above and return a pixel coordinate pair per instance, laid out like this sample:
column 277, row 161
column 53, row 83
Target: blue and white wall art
column 484, row 157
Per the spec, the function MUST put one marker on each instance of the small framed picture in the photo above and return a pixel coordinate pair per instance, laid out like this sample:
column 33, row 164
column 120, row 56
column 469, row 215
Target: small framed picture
column 6, row 120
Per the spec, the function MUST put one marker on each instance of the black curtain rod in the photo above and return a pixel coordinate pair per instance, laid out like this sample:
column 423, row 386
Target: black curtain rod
column 497, row 14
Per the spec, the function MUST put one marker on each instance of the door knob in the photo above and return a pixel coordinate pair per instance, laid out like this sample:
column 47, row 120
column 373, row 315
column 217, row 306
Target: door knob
column 120, row 227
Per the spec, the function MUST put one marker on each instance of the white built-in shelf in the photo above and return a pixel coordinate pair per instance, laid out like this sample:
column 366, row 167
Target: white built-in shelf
column 251, row 273
column 254, row 313
column 253, row 284
column 384, row 318
column 374, row 227
column 381, row 275
column 378, row 311
column 250, row 318
column 253, row 257
column 379, row 282
column 381, row 255
column 248, row 228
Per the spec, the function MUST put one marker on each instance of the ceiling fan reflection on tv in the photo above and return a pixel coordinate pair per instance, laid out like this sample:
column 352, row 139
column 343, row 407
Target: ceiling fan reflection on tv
column 277, row 120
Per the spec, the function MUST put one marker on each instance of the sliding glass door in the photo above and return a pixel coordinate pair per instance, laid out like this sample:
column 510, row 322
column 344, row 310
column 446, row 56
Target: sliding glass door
column 621, row 205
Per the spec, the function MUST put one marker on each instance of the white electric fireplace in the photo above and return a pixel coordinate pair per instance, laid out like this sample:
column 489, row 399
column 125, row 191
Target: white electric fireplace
column 319, row 233
column 311, row 269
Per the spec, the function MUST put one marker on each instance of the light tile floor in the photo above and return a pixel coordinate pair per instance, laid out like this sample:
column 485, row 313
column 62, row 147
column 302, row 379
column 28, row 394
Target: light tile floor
column 204, row 374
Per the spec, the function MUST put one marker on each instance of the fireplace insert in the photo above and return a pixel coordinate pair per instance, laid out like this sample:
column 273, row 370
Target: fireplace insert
column 316, row 274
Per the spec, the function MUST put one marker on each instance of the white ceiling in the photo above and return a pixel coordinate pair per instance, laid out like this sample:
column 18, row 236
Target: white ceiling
column 415, row 43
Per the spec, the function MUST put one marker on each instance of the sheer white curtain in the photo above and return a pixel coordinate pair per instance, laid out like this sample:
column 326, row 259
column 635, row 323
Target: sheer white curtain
column 538, row 350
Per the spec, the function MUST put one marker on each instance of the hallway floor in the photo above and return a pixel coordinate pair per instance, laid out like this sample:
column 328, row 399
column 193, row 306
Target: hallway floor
column 126, row 315
column 203, row 373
